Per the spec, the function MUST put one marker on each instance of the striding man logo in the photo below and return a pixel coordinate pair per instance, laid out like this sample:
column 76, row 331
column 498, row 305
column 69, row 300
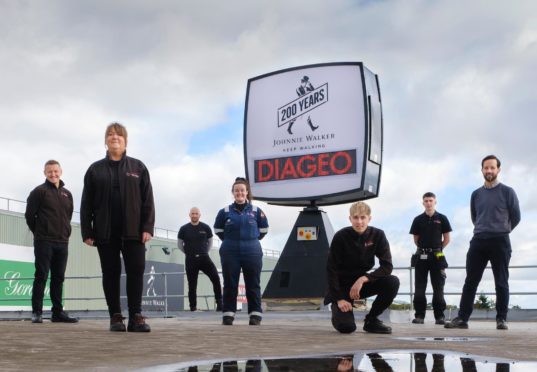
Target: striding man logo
column 309, row 98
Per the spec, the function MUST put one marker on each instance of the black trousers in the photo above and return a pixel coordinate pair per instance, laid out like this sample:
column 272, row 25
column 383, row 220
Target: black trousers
column 438, row 280
column 49, row 256
column 385, row 289
column 133, row 253
column 204, row 264
column 498, row 252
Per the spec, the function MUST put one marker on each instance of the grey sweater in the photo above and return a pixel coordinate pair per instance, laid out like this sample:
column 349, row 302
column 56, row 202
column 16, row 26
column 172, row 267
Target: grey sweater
column 494, row 211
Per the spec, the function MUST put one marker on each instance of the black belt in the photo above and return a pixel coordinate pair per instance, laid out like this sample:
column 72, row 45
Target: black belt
column 429, row 250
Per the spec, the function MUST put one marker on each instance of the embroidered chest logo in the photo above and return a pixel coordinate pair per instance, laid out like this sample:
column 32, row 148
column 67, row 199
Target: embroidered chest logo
column 131, row 174
column 368, row 243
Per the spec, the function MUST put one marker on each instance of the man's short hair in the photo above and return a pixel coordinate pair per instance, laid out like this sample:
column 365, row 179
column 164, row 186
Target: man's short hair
column 429, row 195
column 52, row 162
column 489, row 157
column 360, row 208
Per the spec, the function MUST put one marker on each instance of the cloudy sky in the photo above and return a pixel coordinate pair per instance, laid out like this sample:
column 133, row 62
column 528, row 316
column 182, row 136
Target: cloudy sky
column 456, row 80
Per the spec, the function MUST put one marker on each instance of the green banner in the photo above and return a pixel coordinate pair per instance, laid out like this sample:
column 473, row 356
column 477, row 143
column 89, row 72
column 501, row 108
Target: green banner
column 16, row 281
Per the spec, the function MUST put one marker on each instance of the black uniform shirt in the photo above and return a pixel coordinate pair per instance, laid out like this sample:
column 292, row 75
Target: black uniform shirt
column 195, row 238
column 430, row 229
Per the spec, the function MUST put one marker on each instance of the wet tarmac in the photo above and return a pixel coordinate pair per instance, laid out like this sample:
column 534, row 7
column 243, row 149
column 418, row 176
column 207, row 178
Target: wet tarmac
column 197, row 339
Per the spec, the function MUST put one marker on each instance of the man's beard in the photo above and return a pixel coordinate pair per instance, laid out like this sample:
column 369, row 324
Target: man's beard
column 490, row 177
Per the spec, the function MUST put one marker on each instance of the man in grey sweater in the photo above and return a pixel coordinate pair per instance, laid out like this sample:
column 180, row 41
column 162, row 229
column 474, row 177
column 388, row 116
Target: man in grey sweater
column 495, row 213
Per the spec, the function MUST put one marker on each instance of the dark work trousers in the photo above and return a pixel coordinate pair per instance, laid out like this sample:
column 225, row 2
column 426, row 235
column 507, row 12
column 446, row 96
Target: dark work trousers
column 385, row 289
column 438, row 280
column 251, row 263
column 133, row 253
column 49, row 256
column 194, row 264
column 420, row 360
column 498, row 251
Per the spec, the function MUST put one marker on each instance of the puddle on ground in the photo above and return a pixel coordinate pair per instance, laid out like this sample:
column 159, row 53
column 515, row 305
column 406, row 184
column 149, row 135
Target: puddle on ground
column 446, row 339
column 422, row 361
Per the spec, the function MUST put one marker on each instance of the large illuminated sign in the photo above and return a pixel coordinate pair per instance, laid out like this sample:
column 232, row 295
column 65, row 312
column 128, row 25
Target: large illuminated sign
column 314, row 133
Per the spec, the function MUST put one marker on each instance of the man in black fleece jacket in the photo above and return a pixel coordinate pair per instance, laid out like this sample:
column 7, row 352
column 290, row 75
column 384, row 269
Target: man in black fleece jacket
column 350, row 259
column 48, row 215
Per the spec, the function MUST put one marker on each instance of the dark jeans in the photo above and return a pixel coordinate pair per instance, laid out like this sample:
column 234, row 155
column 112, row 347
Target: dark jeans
column 49, row 256
column 498, row 252
column 204, row 264
column 133, row 253
column 251, row 265
column 385, row 289
column 438, row 279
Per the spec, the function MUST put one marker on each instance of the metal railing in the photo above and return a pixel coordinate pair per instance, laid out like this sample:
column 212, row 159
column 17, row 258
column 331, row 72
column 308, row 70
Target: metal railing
column 19, row 206
column 410, row 292
column 166, row 296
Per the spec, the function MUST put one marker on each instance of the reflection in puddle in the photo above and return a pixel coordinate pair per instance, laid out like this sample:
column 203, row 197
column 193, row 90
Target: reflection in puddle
column 367, row 361
column 449, row 339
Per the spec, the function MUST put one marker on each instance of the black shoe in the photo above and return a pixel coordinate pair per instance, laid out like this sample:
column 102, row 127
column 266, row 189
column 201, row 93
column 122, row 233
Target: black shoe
column 193, row 309
column 37, row 317
column 219, row 305
column 501, row 324
column 62, row 317
column 116, row 323
column 440, row 321
column 456, row 323
column 375, row 325
column 255, row 320
column 137, row 324
column 418, row 321
column 227, row 320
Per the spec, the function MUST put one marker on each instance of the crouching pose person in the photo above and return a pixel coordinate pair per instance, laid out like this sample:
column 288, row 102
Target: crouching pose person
column 351, row 257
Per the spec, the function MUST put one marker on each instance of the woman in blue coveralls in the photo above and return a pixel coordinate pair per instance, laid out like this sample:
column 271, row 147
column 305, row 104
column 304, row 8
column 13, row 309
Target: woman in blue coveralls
column 240, row 226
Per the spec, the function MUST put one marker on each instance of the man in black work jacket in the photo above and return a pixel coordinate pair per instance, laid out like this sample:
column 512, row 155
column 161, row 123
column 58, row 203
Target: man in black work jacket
column 350, row 259
column 48, row 214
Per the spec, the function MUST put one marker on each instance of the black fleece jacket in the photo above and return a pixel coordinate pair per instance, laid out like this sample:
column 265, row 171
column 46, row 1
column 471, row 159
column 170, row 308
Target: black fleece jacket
column 137, row 203
column 352, row 255
column 49, row 211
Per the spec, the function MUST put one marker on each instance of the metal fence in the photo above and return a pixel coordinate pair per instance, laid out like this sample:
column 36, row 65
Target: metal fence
column 19, row 206
column 167, row 276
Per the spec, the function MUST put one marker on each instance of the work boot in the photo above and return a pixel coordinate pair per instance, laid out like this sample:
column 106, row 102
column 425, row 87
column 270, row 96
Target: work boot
column 62, row 317
column 116, row 323
column 37, row 317
column 457, row 323
column 255, row 320
column 137, row 324
column 418, row 321
column 501, row 324
column 227, row 320
column 375, row 325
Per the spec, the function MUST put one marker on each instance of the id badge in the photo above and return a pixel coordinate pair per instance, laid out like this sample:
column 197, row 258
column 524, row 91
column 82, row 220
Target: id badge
column 424, row 256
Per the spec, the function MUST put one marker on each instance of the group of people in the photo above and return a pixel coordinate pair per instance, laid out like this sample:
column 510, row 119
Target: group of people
column 117, row 216
column 495, row 212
